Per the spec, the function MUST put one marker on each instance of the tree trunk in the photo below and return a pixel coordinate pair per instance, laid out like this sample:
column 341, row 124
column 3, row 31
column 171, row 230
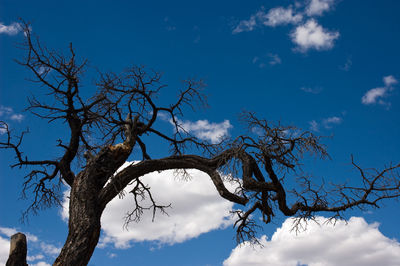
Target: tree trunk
column 84, row 223
column 84, row 207
column 18, row 250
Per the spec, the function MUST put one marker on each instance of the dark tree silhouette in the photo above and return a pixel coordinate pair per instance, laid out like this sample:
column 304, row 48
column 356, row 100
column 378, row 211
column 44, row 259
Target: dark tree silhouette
column 105, row 128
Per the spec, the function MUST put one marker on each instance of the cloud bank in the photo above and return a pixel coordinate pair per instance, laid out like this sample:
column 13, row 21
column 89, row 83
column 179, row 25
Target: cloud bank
column 357, row 244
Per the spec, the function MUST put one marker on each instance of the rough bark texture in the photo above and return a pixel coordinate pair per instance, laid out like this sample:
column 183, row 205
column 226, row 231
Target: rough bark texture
column 84, row 208
column 18, row 250
column 84, row 224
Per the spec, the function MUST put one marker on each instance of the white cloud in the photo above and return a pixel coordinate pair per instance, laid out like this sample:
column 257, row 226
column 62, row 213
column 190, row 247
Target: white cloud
column 4, row 110
column 12, row 231
column 33, row 258
column 12, row 29
column 377, row 95
column 205, row 130
column 275, row 17
column 65, row 207
column 371, row 96
column 8, row 113
column 308, row 35
column 317, row 7
column 4, row 250
column 311, row 35
column 327, row 123
column 248, row 25
column 356, row 243
column 389, row 81
column 281, row 16
column 50, row 249
column 196, row 208
column 331, row 121
column 41, row 263
column 3, row 129
column 34, row 245
column 8, row 231
column 17, row 117
column 111, row 255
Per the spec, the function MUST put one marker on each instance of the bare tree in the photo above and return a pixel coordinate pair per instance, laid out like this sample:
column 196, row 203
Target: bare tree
column 104, row 129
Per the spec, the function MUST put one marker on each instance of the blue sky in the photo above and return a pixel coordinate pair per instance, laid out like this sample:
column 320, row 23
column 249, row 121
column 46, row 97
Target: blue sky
column 328, row 66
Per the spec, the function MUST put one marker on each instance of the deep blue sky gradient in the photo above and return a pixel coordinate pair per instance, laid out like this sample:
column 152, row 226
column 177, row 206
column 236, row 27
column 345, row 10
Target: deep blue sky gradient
column 185, row 39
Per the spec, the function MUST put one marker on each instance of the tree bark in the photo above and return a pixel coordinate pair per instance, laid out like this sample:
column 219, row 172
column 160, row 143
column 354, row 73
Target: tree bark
column 18, row 250
column 84, row 223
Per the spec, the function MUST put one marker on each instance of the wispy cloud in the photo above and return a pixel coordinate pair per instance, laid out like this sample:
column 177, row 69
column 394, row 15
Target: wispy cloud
column 326, row 123
column 50, row 249
column 4, row 110
column 11, row 231
column 202, row 129
column 377, row 95
column 331, row 121
column 205, row 130
column 36, row 257
column 3, row 129
column 347, row 65
column 258, row 62
column 318, row 7
column 274, row 59
column 389, row 81
column 311, row 35
column 270, row 58
column 111, row 255
column 248, row 25
column 314, row 126
column 17, row 117
column 8, row 113
column 12, row 29
column 281, row 16
column 274, row 17
column 353, row 242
